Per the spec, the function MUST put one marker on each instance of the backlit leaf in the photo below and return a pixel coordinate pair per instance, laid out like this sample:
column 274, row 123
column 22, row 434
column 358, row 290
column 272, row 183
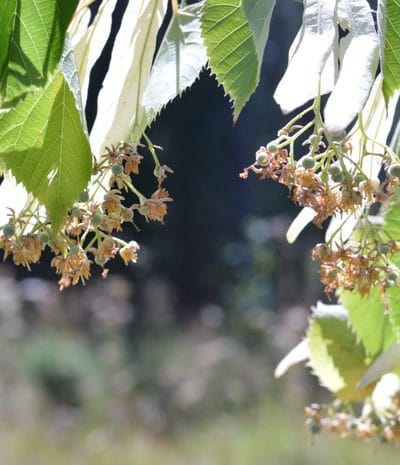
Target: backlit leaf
column 389, row 32
column 235, row 34
column 369, row 320
column 43, row 144
column 179, row 61
column 336, row 357
column 35, row 43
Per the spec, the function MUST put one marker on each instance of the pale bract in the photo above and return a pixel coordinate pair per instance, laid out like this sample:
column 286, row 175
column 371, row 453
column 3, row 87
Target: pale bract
column 309, row 55
column 358, row 67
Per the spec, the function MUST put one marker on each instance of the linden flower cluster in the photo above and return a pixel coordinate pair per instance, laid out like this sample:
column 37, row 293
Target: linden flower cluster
column 358, row 266
column 330, row 179
column 88, row 232
column 336, row 419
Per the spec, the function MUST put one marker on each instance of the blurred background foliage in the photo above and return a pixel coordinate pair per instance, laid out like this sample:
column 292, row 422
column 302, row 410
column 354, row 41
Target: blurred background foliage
column 171, row 360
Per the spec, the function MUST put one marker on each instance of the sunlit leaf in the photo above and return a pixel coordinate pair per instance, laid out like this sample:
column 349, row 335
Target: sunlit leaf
column 369, row 320
column 336, row 357
column 35, row 43
column 386, row 362
column 179, row 61
column 235, row 34
column 389, row 32
column 43, row 144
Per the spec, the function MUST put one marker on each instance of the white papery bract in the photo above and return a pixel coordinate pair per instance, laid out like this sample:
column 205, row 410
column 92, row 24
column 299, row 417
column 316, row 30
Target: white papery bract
column 358, row 67
column 377, row 121
column 309, row 55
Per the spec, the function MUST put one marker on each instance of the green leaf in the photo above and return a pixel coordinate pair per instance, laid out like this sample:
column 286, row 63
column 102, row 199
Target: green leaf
column 389, row 32
column 34, row 45
column 235, row 34
column 258, row 14
column 43, row 144
column 7, row 17
column 368, row 319
column 391, row 231
column 179, row 61
column 69, row 69
column 336, row 357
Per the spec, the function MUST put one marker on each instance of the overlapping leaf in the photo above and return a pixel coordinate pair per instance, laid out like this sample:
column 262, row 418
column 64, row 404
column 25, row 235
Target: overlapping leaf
column 389, row 31
column 235, row 34
column 179, row 61
column 32, row 44
column 120, row 114
column 336, row 357
column 43, row 143
column 369, row 320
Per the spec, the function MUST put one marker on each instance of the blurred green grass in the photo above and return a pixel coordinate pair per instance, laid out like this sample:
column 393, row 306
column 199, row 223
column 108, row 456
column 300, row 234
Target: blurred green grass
column 269, row 434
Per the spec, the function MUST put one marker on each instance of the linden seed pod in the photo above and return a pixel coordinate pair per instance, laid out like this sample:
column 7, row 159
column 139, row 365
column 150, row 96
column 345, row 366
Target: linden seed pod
column 314, row 140
column 97, row 219
column 338, row 177
column 83, row 196
column 359, row 177
column 307, row 162
column 74, row 249
column 117, row 169
column 394, row 170
column 384, row 249
column 272, row 147
column 76, row 212
column 314, row 427
column 262, row 159
column 335, row 170
column 393, row 275
column 8, row 229
column 44, row 237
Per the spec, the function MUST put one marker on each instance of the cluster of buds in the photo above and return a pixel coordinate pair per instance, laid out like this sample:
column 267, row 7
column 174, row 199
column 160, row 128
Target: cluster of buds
column 329, row 179
column 356, row 266
column 321, row 181
column 338, row 420
column 88, row 233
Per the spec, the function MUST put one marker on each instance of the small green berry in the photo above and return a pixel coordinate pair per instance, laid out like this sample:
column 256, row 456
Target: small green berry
column 352, row 424
column 97, row 219
column 393, row 276
column 394, row 170
column 307, row 162
column 282, row 132
column 8, row 230
column 338, row 177
column 314, row 140
column 44, row 237
column 272, row 147
column 76, row 212
column 262, row 159
column 359, row 177
column 83, row 196
column 74, row 249
column 384, row 249
column 314, row 427
column 335, row 170
column 117, row 169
